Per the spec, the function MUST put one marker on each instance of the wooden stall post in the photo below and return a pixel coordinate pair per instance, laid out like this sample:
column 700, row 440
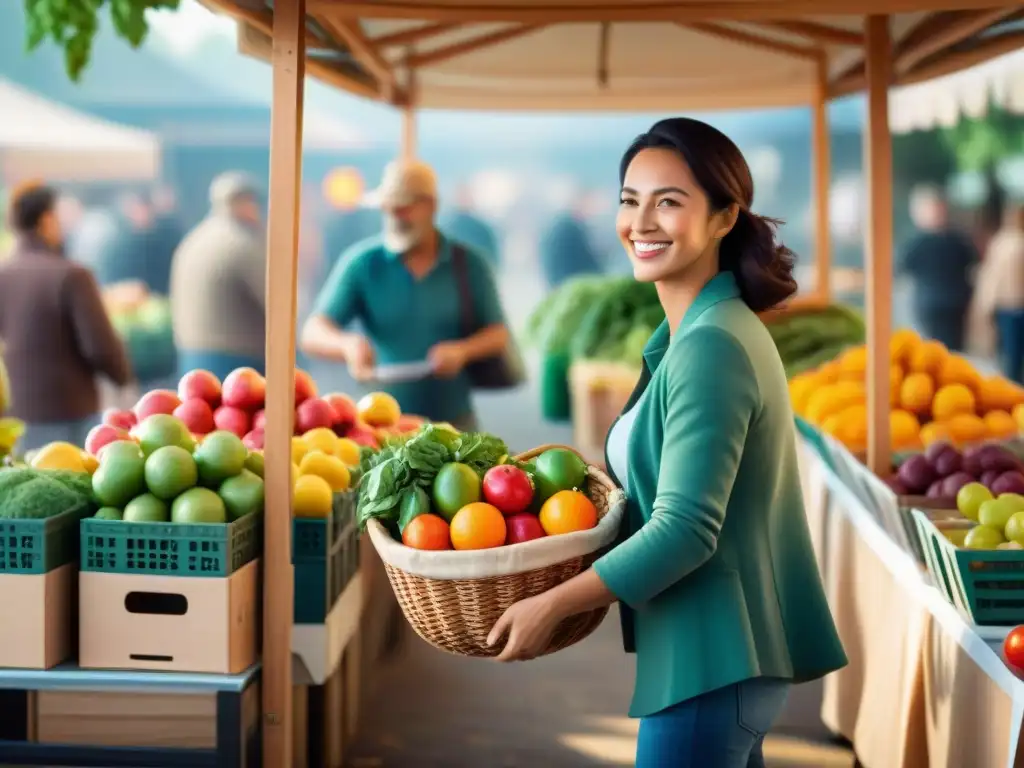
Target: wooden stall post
column 821, row 152
column 408, row 147
column 288, row 60
column 878, row 237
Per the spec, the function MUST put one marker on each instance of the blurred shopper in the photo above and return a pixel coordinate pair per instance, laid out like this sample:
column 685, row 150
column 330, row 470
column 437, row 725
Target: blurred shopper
column 404, row 289
column 161, row 239
column 218, row 282
column 467, row 227
column 939, row 260
column 125, row 256
column 566, row 250
column 999, row 296
column 55, row 331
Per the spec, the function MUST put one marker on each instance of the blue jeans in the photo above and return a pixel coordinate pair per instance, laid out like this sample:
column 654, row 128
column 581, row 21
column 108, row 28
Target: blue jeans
column 720, row 729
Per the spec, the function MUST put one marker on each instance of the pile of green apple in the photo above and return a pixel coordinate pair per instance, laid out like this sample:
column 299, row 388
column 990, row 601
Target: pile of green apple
column 1000, row 519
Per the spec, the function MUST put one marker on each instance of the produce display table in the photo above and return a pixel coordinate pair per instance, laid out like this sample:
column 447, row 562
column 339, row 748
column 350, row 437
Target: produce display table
column 923, row 687
column 235, row 738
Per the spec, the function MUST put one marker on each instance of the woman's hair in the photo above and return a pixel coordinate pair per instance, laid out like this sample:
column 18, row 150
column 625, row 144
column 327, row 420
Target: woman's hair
column 763, row 267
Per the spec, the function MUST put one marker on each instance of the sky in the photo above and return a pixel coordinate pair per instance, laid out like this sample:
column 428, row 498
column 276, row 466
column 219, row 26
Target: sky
column 186, row 28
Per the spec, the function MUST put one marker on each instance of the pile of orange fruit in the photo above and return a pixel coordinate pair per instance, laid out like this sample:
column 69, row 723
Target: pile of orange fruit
column 934, row 395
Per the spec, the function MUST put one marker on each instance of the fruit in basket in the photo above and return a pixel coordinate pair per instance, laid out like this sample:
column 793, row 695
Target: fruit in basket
column 197, row 415
column 1013, row 647
column 242, row 494
column 159, row 401
column 523, row 527
column 970, row 498
column 170, row 471
column 305, row 387
column 983, row 537
column 329, row 467
column 508, row 488
column 455, row 486
column 101, row 435
column 121, row 475
column 121, row 448
column 313, row 414
column 559, row 469
column 59, row 455
column 123, row 420
column 220, row 456
column 245, row 389
column 312, row 497
column 427, row 531
column 567, row 512
column 200, row 385
column 952, row 484
column 161, row 430
column 198, row 505
column 478, row 525
column 1014, row 529
column 232, row 419
column 378, row 409
column 146, row 508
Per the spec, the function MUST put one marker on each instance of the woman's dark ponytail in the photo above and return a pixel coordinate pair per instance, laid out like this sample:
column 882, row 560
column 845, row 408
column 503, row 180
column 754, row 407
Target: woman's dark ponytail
column 763, row 267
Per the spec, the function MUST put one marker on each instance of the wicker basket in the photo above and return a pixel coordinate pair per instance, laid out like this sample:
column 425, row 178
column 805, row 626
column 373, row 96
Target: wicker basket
column 454, row 599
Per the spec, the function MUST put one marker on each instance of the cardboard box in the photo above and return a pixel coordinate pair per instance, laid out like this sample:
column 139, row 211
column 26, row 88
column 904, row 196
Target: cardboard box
column 599, row 393
column 38, row 610
column 170, row 623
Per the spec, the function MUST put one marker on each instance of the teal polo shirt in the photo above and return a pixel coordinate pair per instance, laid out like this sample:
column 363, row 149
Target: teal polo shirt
column 403, row 317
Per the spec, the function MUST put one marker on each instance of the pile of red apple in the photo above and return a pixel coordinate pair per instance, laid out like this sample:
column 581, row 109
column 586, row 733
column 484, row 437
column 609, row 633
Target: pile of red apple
column 205, row 404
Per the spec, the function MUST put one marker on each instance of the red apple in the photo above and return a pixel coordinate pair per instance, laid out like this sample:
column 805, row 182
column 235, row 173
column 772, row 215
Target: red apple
column 259, row 419
column 311, row 414
column 102, row 435
column 522, row 527
column 231, row 419
column 157, row 401
column 254, row 439
column 197, row 415
column 305, row 387
column 508, row 488
column 363, row 436
column 345, row 412
column 115, row 417
column 202, row 385
column 244, row 388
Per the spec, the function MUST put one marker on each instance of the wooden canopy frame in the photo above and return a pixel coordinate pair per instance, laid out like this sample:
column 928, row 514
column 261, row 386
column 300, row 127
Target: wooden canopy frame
column 326, row 39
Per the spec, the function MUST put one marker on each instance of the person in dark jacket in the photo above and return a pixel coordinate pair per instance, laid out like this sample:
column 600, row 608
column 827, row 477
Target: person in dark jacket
column 940, row 262
column 54, row 329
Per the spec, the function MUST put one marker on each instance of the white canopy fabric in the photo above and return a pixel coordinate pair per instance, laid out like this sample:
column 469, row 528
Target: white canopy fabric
column 970, row 93
column 42, row 139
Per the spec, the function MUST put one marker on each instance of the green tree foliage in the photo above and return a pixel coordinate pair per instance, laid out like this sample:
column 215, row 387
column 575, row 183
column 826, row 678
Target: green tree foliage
column 72, row 24
column 980, row 143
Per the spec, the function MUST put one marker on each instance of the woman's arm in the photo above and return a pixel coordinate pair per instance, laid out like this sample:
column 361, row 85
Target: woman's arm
column 712, row 398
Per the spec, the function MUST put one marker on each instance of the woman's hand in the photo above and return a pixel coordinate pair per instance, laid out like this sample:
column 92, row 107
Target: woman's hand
column 529, row 624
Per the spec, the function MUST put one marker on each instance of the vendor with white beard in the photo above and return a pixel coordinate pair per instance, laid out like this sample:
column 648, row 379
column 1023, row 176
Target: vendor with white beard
column 403, row 289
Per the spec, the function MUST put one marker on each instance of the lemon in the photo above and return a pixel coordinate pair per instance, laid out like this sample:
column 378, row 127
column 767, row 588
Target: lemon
column 299, row 449
column 312, row 497
column 348, row 451
column 329, row 467
column 59, row 456
column 321, row 439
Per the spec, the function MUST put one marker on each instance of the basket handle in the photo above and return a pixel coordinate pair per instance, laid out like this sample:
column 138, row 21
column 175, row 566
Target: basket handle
column 527, row 455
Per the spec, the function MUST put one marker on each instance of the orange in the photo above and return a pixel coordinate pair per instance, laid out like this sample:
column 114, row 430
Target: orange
column 904, row 431
column 853, row 363
column 478, row 525
column 379, row 409
column 849, row 427
column 951, row 400
column 917, row 392
column 966, row 428
column 833, row 398
column 427, row 532
column 927, row 357
column 958, row 370
column 299, row 449
column 934, row 432
column 997, row 393
column 59, row 455
column 801, row 387
column 829, row 372
column 567, row 511
column 1000, row 425
column 902, row 344
column 895, row 382
column 321, row 439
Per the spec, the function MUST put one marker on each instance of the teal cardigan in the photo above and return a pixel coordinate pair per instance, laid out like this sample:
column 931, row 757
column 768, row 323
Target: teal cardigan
column 715, row 570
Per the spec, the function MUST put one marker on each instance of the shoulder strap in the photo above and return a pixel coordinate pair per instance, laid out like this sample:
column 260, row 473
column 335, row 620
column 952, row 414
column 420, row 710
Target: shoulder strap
column 461, row 265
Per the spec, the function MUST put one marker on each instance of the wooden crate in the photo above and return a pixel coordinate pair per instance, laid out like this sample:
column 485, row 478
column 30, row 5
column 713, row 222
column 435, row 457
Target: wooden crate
column 37, row 631
column 599, row 393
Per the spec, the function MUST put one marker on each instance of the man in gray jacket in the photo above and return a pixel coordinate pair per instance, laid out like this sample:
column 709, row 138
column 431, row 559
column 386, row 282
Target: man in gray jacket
column 218, row 282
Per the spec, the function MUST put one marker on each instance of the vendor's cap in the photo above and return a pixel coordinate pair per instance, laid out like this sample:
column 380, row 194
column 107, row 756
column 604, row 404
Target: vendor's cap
column 405, row 182
column 230, row 186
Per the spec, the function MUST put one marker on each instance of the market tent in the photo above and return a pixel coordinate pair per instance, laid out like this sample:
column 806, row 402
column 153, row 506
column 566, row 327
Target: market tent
column 39, row 138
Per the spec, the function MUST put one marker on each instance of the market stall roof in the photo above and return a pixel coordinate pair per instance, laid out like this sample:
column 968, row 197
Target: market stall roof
column 970, row 93
column 655, row 55
column 40, row 138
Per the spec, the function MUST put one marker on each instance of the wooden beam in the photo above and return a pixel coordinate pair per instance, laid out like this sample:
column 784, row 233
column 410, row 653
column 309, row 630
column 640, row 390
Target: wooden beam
column 821, row 152
column 753, row 41
column 439, row 55
column 408, row 140
column 822, row 34
column 699, row 10
column 878, row 239
column 962, row 27
column 410, row 36
column 351, row 34
column 288, row 61
column 603, row 53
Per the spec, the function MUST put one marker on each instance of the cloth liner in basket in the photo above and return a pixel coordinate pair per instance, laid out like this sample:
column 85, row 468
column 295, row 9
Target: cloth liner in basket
column 453, row 599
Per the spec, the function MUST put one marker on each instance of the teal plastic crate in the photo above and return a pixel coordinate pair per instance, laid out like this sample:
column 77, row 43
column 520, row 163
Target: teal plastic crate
column 987, row 586
column 212, row 550
column 325, row 554
column 39, row 546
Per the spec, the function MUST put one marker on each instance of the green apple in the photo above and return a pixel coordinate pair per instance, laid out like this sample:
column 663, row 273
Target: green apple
column 983, row 537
